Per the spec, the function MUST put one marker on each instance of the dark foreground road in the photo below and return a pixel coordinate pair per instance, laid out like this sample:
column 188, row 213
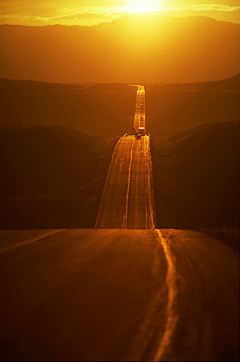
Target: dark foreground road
column 117, row 295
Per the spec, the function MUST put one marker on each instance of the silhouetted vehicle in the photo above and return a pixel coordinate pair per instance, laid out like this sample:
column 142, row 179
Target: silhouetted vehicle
column 141, row 130
column 138, row 136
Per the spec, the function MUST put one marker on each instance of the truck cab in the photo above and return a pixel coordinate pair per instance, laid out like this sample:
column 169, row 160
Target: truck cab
column 141, row 130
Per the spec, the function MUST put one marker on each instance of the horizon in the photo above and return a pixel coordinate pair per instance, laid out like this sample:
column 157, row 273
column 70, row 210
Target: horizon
column 160, row 50
column 127, row 16
column 94, row 13
column 123, row 83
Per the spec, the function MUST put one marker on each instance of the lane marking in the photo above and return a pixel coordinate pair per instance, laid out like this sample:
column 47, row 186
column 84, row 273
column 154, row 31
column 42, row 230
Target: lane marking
column 172, row 317
column 28, row 241
column 125, row 216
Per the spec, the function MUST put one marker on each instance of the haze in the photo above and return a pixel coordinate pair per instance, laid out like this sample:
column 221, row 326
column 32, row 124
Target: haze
column 136, row 48
column 85, row 12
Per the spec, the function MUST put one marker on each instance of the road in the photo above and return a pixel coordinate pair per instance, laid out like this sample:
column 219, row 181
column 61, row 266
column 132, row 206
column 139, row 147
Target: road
column 120, row 295
column 127, row 199
column 140, row 116
column 123, row 291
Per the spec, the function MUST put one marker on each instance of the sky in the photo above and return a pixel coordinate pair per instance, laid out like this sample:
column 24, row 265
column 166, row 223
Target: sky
column 93, row 12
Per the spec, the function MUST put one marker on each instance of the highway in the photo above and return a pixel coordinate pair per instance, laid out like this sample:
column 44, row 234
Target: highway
column 120, row 295
column 127, row 199
column 140, row 113
column 124, row 290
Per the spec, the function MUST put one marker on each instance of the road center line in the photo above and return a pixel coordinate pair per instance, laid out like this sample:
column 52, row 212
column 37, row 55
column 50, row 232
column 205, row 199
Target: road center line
column 125, row 216
column 172, row 317
column 28, row 241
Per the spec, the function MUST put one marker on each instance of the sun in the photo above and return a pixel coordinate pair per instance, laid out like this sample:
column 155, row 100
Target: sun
column 143, row 6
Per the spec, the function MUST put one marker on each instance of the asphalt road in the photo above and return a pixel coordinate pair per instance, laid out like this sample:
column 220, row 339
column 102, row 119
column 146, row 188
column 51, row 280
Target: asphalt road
column 127, row 199
column 140, row 116
column 117, row 295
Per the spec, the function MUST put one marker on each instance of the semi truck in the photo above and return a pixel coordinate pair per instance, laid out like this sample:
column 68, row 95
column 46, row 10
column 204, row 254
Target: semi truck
column 141, row 130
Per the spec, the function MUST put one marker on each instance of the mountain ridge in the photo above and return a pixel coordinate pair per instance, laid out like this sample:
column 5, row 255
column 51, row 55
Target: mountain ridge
column 122, row 19
column 124, row 51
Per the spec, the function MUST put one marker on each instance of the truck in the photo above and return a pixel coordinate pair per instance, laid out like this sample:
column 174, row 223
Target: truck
column 141, row 130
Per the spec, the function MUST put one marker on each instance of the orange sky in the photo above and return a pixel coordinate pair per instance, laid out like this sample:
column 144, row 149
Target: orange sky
column 93, row 12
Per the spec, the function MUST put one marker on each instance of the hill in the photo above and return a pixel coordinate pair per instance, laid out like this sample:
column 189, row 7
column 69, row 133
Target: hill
column 231, row 84
column 97, row 109
column 175, row 108
column 197, row 178
column 107, row 110
column 52, row 177
column 146, row 49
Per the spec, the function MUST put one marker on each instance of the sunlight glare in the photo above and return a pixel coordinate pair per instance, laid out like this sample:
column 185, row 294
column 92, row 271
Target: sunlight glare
column 143, row 6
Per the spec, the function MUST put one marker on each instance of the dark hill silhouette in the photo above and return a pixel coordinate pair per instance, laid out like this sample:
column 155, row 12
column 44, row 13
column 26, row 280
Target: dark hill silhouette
column 197, row 178
column 108, row 109
column 231, row 84
column 46, row 151
column 133, row 49
column 174, row 108
column 51, row 177
column 98, row 110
